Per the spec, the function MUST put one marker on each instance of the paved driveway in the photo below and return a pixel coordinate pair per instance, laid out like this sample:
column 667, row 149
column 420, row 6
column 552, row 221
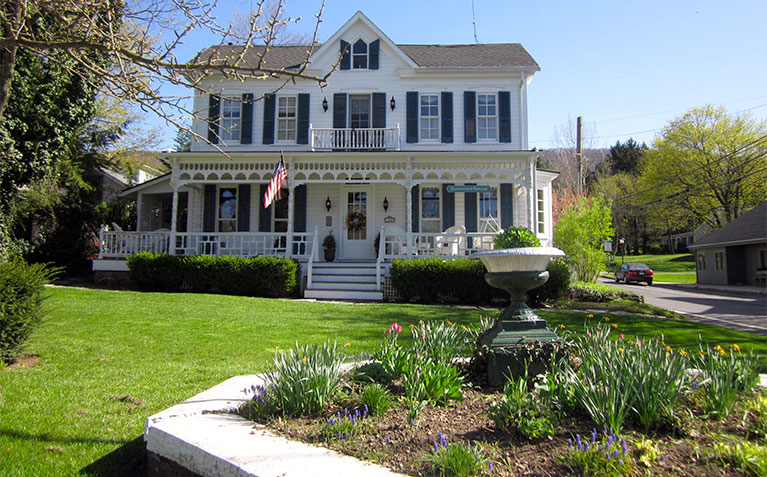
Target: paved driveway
column 744, row 312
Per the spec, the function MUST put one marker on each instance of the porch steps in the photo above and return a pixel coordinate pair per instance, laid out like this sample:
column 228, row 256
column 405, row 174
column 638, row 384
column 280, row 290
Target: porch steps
column 344, row 281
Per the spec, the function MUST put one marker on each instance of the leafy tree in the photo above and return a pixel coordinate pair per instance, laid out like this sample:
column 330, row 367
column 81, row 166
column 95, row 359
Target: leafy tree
column 626, row 157
column 629, row 218
column 706, row 166
column 580, row 232
column 183, row 141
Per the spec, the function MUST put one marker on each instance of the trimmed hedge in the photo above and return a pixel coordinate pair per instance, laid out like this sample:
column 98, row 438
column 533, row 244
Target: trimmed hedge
column 556, row 287
column 21, row 299
column 432, row 280
column 260, row 276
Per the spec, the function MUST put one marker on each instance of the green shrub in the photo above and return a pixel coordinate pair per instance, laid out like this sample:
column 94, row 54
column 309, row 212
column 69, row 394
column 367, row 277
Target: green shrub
column 430, row 280
column 597, row 293
column 304, row 378
column 376, row 398
column 522, row 411
column 259, row 276
column 515, row 237
column 556, row 287
column 21, row 298
column 430, row 382
column 457, row 460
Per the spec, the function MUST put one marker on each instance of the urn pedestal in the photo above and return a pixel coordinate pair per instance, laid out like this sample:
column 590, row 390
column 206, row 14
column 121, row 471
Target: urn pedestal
column 518, row 328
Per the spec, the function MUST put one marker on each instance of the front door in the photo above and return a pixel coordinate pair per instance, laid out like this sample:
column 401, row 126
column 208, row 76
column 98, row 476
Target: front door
column 358, row 244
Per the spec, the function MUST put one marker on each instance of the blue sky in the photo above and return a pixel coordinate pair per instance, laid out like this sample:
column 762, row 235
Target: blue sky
column 627, row 67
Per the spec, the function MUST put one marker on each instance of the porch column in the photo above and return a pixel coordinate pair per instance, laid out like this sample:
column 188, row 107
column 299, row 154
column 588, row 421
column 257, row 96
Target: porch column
column 531, row 195
column 173, row 222
column 291, row 213
column 409, row 219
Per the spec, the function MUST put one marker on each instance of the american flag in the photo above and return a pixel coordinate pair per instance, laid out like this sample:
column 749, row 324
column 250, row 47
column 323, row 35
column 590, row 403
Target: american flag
column 274, row 191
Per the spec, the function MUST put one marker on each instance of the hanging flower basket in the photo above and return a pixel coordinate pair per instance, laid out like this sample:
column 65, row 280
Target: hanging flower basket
column 355, row 221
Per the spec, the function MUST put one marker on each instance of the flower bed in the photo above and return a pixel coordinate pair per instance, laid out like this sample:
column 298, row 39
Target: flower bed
column 613, row 406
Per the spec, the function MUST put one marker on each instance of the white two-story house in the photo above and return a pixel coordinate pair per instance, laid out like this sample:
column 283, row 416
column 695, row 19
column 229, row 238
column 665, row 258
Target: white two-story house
column 409, row 151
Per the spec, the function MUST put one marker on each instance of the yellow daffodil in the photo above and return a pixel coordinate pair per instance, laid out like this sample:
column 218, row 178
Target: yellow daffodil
column 668, row 349
column 701, row 353
column 420, row 322
column 683, row 352
column 607, row 318
column 668, row 355
column 663, row 343
column 276, row 348
column 735, row 347
column 615, row 325
column 412, row 326
column 590, row 316
column 348, row 345
column 722, row 352
column 562, row 327
column 719, row 348
column 303, row 360
column 450, row 323
column 621, row 351
column 464, row 328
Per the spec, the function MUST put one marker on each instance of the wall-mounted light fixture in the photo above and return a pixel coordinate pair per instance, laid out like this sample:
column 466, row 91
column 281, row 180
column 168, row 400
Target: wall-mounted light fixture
column 386, row 204
column 325, row 104
column 392, row 103
column 328, row 205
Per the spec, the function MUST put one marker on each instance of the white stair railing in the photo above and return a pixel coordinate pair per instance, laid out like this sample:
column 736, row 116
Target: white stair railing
column 312, row 254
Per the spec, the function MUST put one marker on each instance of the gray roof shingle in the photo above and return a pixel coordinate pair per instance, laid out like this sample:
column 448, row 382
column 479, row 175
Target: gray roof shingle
column 749, row 227
column 510, row 55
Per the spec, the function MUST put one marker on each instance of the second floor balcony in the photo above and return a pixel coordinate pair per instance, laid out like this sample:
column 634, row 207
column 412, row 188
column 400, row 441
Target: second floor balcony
column 359, row 139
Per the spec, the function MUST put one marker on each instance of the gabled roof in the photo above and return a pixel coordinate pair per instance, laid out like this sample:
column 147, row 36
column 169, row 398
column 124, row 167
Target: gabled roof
column 496, row 55
column 751, row 227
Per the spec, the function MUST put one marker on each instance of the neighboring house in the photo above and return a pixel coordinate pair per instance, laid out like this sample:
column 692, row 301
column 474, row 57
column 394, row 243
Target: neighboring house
column 684, row 240
column 735, row 254
column 423, row 146
column 113, row 183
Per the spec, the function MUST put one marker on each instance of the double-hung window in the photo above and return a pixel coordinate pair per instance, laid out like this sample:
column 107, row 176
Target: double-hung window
column 541, row 211
column 430, row 210
column 286, row 118
column 719, row 260
column 429, row 112
column 360, row 55
column 230, row 119
column 487, row 116
column 227, row 209
column 488, row 210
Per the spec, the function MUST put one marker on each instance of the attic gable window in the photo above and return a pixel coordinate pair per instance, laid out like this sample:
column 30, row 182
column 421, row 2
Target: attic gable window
column 360, row 55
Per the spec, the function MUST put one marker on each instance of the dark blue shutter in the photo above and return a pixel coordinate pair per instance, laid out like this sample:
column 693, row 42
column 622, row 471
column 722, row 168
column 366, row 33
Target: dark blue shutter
column 470, row 206
column 416, row 212
column 379, row 110
column 507, row 205
column 243, row 208
column 447, row 117
column 209, row 209
column 302, row 135
column 373, row 54
column 411, row 116
column 339, row 110
column 246, row 134
column 213, row 107
column 448, row 208
column 264, row 215
column 346, row 57
column 469, row 116
column 299, row 211
column 504, row 116
column 269, row 101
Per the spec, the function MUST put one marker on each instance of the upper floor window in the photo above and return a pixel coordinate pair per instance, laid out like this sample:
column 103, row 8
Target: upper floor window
column 487, row 116
column 360, row 55
column 286, row 118
column 429, row 113
column 430, row 210
column 227, row 209
column 230, row 119
column 541, row 210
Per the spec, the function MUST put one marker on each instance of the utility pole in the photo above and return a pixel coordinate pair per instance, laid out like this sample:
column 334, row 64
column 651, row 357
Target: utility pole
column 579, row 151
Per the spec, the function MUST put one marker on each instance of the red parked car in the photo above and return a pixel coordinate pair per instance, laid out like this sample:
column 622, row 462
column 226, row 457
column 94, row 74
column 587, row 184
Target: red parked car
column 634, row 272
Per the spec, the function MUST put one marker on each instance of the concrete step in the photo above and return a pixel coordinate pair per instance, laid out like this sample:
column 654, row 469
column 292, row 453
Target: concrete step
column 322, row 277
column 343, row 286
column 344, row 271
column 343, row 295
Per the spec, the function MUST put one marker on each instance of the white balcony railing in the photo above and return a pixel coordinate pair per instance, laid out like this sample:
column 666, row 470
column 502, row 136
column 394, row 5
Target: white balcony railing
column 436, row 245
column 355, row 139
column 240, row 244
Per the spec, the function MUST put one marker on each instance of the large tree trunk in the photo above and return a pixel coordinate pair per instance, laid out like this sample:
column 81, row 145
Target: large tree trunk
column 7, row 60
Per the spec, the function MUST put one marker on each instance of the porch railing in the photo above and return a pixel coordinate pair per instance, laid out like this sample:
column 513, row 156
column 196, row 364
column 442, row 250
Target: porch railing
column 241, row 244
column 355, row 139
column 442, row 245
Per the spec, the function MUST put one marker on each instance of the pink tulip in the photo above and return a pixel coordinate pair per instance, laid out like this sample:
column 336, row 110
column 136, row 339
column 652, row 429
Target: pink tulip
column 588, row 334
column 620, row 336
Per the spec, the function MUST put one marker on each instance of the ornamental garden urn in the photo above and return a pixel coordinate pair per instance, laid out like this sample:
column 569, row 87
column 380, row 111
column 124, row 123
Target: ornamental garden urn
column 519, row 342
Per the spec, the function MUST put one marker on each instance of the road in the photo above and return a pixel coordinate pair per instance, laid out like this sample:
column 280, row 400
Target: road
column 729, row 310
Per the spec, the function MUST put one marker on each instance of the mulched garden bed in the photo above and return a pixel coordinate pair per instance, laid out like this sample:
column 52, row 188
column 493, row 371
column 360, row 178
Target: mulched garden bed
column 391, row 442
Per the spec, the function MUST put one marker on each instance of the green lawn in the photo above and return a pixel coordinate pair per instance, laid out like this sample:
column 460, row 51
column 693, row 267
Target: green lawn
column 109, row 359
column 674, row 268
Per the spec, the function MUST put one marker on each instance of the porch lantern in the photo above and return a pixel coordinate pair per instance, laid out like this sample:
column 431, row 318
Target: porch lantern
column 392, row 103
column 328, row 205
column 386, row 204
column 325, row 104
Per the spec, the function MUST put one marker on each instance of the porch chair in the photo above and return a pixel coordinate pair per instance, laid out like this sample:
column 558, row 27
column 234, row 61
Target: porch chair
column 451, row 243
